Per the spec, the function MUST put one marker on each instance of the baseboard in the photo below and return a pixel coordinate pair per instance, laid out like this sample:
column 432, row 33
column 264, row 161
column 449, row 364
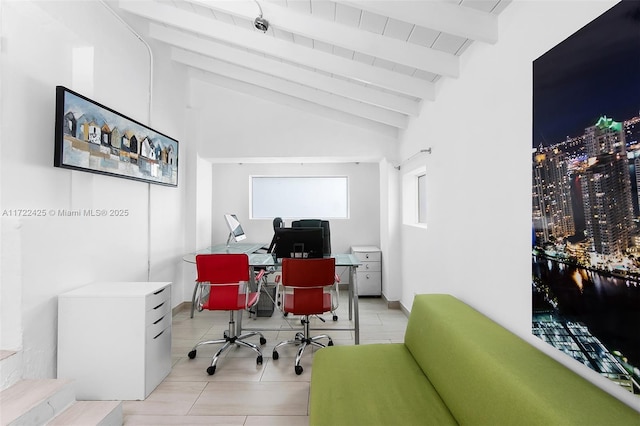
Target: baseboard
column 392, row 304
column 184, row 306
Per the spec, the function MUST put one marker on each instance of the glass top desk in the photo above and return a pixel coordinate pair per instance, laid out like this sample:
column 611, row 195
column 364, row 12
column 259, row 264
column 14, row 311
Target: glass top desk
column 265, row 260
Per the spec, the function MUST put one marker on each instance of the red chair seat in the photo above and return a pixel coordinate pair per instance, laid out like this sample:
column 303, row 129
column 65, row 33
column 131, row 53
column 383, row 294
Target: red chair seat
column 294, row 305
column 227, row 304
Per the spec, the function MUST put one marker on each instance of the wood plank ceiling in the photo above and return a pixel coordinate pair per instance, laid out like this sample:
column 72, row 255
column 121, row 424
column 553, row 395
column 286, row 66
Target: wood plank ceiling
column 374, row 61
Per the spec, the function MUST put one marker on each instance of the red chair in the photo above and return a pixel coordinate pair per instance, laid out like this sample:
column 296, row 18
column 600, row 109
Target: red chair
column 227, row 278
column 308, row 287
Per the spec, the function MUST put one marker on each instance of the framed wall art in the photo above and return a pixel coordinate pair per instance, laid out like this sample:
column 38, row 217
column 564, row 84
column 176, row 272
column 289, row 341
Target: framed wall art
column 94, row 138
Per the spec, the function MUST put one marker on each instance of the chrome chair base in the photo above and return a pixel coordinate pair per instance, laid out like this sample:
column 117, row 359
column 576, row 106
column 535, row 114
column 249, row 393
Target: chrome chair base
column 227, row 341
column 303, row 341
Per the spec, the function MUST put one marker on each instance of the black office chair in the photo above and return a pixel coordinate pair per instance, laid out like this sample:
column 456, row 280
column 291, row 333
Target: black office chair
column 317, row 223
column 277, row 223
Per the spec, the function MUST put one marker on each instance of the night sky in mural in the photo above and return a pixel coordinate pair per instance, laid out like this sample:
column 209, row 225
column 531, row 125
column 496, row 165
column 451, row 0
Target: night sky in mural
column 592, row 73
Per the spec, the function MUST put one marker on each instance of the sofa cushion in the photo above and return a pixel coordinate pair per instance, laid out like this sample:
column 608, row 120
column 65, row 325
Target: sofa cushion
column 487, row 375
column 377, row 384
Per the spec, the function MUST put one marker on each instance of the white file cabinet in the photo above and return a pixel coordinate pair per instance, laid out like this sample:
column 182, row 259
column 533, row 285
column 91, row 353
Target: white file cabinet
column 370, row 271
column 114, row 339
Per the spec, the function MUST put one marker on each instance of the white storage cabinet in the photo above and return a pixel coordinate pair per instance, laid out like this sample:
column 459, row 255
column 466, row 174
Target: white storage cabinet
column 114, row 339
column 370, row 271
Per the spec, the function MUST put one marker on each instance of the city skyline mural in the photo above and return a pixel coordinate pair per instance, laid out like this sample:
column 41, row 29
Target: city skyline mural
column 585, row 197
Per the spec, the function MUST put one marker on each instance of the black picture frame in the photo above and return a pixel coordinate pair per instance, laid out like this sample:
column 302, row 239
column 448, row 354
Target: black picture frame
column 94, row 138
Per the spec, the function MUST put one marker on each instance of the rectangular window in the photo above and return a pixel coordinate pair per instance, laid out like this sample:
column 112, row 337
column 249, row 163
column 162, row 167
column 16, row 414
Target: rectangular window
column 414, row 197
column 321, row 197
column 422, row 198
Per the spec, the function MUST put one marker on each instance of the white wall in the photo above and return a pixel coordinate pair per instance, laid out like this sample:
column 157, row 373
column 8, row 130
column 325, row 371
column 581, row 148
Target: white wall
column 45, row 256
column 241, row 127
column 390, row 231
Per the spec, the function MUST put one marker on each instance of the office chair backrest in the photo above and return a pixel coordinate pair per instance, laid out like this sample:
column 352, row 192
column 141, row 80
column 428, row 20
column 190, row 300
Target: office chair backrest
column 317, row 223
column 308, row 277
column 277, row 223
column 226, row 270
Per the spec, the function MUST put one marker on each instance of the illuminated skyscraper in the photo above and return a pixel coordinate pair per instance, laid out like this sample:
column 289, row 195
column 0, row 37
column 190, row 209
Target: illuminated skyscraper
column 606, row 189
column 552, row 211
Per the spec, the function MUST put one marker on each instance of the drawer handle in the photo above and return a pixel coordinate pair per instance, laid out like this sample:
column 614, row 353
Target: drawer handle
column 161, row 318
column 160, row 305
column 366, row 255
column 366, row 266
column 159, row 334
column 160, row 291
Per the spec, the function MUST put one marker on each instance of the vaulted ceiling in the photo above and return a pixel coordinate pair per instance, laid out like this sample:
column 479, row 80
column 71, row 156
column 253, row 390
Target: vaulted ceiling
column 376, row 61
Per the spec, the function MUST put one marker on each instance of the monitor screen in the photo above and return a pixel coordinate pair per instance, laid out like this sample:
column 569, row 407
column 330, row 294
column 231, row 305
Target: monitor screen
column 235, row 229
column 305, row 243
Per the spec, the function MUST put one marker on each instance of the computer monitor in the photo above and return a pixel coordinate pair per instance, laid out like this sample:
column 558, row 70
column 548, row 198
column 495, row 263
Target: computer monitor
column 305, row 243
column 235, row 229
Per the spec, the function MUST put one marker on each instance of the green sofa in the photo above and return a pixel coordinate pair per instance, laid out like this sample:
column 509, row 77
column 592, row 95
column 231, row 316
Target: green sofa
column 456, row 366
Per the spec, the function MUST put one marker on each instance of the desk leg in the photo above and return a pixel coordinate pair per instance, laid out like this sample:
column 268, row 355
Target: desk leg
column 350, row 292
column 252, row 285
column 193, row 298
column 354, row 294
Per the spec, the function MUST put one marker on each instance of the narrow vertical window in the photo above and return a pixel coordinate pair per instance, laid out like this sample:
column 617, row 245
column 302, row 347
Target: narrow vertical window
column 422, row 198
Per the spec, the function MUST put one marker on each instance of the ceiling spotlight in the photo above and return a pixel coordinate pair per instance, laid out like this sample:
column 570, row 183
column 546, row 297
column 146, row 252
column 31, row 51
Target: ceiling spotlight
column 260, row 23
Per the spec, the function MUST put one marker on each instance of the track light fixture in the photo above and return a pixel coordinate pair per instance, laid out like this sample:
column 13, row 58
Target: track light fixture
column 260, row 23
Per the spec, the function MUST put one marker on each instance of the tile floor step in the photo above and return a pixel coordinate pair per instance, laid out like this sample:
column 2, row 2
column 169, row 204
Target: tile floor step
column 10, row 368
column 94, row 413
column 35, row 401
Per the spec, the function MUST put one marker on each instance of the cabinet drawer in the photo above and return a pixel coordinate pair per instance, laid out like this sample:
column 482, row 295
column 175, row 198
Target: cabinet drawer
column 155, row 328
column 368, row 256
column 369, row 276
column 369, row 283
column 157, row 311
column 158, row 297
column 157, row 360
column 369, row 267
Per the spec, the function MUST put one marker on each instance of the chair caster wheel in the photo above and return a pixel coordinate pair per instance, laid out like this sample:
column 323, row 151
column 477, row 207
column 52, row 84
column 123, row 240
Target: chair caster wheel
column 330, row 343
column 211, row 370
column 275, row 355
column 298, row 369
column 259, row 360
column 192, row 354
column 335, row 318
column 263, row 341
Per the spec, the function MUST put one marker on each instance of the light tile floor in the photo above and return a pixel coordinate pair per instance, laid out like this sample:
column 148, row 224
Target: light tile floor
column 242, row 392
